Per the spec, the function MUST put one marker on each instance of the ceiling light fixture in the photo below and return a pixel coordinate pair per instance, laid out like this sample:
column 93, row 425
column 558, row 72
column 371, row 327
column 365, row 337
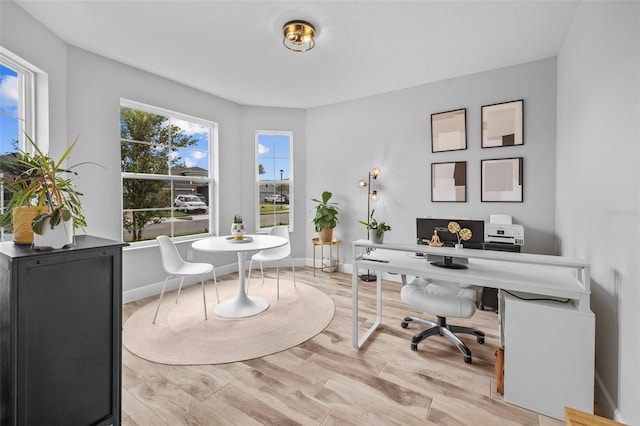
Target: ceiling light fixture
column 298, row 36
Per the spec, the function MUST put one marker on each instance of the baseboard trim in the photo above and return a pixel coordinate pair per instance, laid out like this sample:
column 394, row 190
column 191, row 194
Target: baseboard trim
column 608, row 405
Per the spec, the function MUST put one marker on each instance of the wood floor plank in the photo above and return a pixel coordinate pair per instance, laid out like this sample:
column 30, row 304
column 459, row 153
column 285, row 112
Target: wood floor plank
column 325, row 381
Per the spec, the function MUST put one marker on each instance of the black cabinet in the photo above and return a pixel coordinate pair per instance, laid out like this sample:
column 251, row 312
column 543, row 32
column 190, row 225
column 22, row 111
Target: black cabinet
column 60, row 334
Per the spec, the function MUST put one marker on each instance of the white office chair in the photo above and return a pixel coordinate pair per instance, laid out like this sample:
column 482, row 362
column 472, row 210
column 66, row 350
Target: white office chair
column 175, row 267
column 443, row 301
column 277, row 254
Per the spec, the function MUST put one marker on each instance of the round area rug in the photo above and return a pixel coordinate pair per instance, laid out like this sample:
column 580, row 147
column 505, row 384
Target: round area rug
column 181, row 335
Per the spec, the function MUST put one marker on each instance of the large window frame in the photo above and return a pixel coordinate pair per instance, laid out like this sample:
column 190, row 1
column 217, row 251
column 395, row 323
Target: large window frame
column 32, row 109
column 280, row 185
column 176, row 180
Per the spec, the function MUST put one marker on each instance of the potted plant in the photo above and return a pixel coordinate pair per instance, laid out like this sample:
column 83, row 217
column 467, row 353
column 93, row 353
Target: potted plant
column 326, row 218
column 36, row 180
column 376, row 229
column 237, row 228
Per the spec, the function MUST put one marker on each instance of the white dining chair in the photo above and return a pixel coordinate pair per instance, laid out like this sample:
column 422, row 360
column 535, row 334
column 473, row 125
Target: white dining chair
column 275, row 254
column 175, row 267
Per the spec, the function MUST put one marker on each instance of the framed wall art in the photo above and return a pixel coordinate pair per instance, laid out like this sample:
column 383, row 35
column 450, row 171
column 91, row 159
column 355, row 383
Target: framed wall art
column 502, row 180
column 503, row 124
column 449, row 130
column 449, row 181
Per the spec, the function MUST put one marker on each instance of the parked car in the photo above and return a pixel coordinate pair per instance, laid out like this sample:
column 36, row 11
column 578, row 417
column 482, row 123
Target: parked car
column 190, row 203
column 277, row 199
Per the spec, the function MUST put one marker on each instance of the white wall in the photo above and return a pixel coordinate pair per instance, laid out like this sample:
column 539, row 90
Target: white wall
column 598, row 186
column 95, row 87
column 393, row 131
column 30, row 40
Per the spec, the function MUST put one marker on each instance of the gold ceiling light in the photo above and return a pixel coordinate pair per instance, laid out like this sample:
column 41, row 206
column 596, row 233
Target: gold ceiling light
column 298, row 36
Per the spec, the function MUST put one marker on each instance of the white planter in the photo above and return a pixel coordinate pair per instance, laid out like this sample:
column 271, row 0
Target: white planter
column 373, row 237
column 237, row 230
column 56, row 238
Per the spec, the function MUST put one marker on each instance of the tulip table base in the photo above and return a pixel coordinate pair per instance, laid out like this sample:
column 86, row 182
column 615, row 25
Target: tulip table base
column 241, row 306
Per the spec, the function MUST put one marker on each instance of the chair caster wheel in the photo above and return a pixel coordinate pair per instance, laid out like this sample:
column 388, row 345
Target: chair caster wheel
column 414, row 346
column 404, row 324
column 480, row 340
column 467, row 359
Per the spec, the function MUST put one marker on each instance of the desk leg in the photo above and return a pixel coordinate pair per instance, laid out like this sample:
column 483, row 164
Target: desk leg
column 314, row 259
column 354, row 285
column 241, row 306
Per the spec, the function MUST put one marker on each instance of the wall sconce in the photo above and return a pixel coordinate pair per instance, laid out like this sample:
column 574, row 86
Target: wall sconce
column 372, row 195
column 298, row 36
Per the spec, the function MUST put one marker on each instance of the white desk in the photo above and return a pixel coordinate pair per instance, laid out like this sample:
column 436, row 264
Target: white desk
column 564, row 337
column 241, row 306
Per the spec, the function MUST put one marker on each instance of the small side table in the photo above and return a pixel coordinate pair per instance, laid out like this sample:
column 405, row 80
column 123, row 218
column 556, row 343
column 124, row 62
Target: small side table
column 334, row 242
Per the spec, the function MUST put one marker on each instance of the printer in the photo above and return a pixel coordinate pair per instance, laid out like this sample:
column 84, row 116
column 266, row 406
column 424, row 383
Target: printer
column 500, row 229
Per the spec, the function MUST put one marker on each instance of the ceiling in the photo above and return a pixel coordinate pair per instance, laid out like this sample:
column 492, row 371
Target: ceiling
column 233, row 49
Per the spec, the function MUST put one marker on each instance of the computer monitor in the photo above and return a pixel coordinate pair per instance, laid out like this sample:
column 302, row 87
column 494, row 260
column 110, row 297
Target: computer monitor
column 424, row 233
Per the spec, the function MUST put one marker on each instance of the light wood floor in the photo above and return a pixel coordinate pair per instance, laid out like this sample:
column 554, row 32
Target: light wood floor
column 325, row 381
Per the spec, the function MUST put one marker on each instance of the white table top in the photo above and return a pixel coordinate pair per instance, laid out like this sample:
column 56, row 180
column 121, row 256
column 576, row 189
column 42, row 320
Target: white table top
column 224, row 243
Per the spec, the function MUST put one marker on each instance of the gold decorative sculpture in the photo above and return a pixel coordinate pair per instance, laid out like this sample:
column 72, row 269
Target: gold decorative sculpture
column 435, row 240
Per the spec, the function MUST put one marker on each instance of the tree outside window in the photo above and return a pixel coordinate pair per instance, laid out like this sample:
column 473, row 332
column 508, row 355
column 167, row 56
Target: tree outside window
column 165, row 162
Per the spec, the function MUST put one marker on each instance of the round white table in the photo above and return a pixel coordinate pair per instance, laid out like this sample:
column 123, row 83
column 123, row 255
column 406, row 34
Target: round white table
column 241, row 306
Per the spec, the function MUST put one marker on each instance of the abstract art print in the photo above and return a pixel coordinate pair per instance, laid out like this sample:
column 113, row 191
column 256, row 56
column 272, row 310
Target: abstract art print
column 449, row 181
column 502, row 180
column 503, row 124
column 449, row 130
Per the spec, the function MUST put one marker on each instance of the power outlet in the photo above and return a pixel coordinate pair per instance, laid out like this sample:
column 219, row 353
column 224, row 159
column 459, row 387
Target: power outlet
column 189, row 254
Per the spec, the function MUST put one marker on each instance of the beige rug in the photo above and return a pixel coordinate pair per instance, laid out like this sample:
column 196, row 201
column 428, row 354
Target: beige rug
column 181, row 336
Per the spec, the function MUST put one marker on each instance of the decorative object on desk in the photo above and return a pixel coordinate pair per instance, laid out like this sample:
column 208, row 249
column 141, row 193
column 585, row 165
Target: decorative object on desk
column 237, row 228
column 435, row 240
column 449, row 181
column 326, row 218
column 38, row 180
column 502, row 180
column 243, row 239
column 181, row 336
column 376, row 229
column 449, row 130
column 463, row 234
column 503, row 124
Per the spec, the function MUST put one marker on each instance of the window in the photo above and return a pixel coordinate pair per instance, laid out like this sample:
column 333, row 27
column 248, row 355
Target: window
column 167, row 172
column 17, row 102
column 274, row 179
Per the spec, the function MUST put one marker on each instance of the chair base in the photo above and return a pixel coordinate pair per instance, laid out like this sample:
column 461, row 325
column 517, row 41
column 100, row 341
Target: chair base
column 443, row 329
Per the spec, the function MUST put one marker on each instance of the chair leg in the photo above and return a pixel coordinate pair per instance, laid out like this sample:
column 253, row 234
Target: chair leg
column 278, row 279
column 204, row 298
column 160, row 300
column 262, row 272
column 446, row 330
column 293, row 268
column 249, row 275
column 215, row 281
column 179, row 289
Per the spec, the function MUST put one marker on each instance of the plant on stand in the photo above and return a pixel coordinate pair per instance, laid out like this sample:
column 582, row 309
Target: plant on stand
column 326, row 218
column 376, row 229
column 37, row 181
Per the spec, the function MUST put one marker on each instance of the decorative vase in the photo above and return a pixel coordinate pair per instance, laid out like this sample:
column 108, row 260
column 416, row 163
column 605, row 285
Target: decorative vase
column 56, row 238
column 21, row 218
column 458, row 246
column 373, row 236
column 326, row 235
column 238, row 230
